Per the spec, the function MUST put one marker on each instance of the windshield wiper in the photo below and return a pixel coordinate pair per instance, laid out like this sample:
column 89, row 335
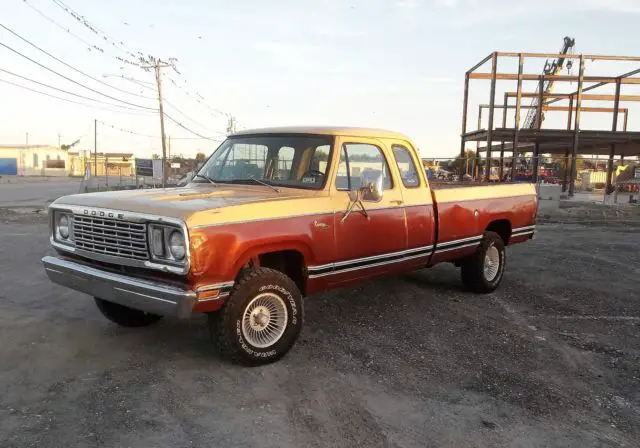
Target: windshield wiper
column 205, row 177
column 258, row 181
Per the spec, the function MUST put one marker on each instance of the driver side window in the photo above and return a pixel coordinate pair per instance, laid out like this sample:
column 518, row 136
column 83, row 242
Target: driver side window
column 361, row 162
column 241, row 161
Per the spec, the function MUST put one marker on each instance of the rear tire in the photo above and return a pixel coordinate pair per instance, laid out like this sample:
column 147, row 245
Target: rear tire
column 125, row 316
column 261, row 320
column 482, row 272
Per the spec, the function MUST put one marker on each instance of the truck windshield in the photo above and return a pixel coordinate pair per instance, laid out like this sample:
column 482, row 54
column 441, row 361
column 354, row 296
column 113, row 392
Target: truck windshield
column 296, row 161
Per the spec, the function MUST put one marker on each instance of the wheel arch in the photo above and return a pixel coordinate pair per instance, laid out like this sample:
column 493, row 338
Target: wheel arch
column 502, row 227
column 290, row 258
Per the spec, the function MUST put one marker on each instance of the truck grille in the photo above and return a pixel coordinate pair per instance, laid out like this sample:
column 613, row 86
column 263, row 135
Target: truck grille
column 111, row 237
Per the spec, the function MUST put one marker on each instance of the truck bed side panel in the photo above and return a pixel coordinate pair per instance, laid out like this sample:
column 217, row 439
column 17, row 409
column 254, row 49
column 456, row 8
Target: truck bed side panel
column 465, row 213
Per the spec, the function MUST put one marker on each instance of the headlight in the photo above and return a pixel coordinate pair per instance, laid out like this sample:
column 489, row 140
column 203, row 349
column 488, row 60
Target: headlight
column 63, row 226
column 167, row 243
column 176, row 245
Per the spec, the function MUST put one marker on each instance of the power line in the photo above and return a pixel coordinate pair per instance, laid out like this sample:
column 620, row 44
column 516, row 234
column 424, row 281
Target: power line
column 72, row 67
column 74, row 81
column 90, row 46
column 186, row 116
column 197, row 97
column 166, row 101
column 65, row 91
column 128, row 131
column 189, row 130
column 68, row 100
column 140, row 58
column 140, row 83
column 82, row 20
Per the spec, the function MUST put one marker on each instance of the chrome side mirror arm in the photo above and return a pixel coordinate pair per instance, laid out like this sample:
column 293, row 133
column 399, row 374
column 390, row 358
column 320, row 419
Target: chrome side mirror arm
column 355, row 199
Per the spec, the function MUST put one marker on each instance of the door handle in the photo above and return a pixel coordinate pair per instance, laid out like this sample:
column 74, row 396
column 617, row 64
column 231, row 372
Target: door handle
column 396, row 202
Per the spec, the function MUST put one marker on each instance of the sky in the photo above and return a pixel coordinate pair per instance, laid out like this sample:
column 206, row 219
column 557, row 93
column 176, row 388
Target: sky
column 393, row 64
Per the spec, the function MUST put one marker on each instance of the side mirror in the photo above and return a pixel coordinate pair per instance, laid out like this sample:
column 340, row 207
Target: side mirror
column 372, row 188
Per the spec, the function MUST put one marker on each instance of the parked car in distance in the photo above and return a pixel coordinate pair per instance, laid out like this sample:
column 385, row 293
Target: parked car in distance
column 275, row 215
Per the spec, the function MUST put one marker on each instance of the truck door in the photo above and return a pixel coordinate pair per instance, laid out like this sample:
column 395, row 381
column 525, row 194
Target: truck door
column 418, row 202
column 369, row 241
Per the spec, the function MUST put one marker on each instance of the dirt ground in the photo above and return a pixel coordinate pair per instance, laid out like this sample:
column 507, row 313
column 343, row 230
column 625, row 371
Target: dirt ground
column 550, row 359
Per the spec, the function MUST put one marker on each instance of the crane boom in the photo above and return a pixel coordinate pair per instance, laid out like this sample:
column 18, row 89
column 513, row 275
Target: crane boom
column 550, row 68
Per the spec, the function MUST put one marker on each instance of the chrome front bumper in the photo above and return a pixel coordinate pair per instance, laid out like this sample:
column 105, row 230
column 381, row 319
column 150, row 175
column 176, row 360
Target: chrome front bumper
column 149, row 296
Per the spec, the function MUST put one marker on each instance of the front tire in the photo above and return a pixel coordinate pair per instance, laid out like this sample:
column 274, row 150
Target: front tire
column 125, row 316
column 483, row 271
column 261, row 320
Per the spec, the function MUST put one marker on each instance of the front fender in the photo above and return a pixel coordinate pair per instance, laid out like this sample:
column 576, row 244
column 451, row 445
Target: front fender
column 285, row 245
column 219, row 252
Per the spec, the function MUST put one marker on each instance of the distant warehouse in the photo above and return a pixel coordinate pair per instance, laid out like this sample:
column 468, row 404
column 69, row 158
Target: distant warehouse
column 33, row 160
column 46, row 160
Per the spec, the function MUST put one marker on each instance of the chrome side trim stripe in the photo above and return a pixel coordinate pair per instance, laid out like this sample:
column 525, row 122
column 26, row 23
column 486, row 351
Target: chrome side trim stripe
column 367, row 260
column 528, row 232
column 213, row 286
column 457, row 242
column 370, row 265
column 390, row 258
column 522, row 229
column 447, row 249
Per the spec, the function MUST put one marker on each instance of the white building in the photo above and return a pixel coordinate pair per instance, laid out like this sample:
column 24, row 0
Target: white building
column 33, row 160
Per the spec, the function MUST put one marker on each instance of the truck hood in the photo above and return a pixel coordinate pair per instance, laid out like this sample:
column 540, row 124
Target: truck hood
column 181, row 202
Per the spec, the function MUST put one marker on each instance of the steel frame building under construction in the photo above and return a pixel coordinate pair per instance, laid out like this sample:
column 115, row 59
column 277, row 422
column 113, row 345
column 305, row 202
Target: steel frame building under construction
column 570, row 141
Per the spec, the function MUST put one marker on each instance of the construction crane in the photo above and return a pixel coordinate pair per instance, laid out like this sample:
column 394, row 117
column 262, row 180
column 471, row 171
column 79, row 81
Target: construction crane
column 67, row 147
column 550, row 68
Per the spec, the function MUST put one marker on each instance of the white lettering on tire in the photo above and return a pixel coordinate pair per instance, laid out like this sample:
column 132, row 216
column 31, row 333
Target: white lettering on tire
column 287, row 295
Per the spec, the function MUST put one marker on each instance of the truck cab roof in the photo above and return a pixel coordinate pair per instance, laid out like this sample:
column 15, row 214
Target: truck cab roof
column 325, row 130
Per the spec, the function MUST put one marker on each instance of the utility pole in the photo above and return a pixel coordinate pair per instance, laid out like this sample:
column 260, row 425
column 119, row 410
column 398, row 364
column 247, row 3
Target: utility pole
column 27, row 139
column 95, row 148
column 158, row 69
column 59, row 140
column 157, row 65
column 169, row 154
column 231, row 126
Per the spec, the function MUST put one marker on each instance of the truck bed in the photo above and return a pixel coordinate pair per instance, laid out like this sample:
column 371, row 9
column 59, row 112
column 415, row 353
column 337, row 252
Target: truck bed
column 441, row 185
column 465, row 212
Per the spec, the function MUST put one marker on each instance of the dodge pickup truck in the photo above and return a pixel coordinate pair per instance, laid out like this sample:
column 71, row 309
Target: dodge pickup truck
column 275, row 215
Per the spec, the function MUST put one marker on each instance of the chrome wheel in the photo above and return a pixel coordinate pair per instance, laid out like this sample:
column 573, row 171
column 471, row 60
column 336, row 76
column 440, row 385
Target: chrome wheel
column 491, row 263
column 264, row 320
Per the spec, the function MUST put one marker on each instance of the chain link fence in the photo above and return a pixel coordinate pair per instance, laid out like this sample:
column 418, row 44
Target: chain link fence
column 590, row 173
column 114, row 175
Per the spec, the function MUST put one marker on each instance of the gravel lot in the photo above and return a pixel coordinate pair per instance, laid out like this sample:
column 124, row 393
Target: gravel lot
column 551, row 359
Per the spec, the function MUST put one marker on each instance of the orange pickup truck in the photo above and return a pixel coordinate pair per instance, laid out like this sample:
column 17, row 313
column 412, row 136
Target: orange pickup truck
column 274, row 215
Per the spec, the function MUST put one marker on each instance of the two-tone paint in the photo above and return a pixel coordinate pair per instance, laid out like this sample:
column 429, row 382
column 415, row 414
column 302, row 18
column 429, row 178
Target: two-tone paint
column 231, row 226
